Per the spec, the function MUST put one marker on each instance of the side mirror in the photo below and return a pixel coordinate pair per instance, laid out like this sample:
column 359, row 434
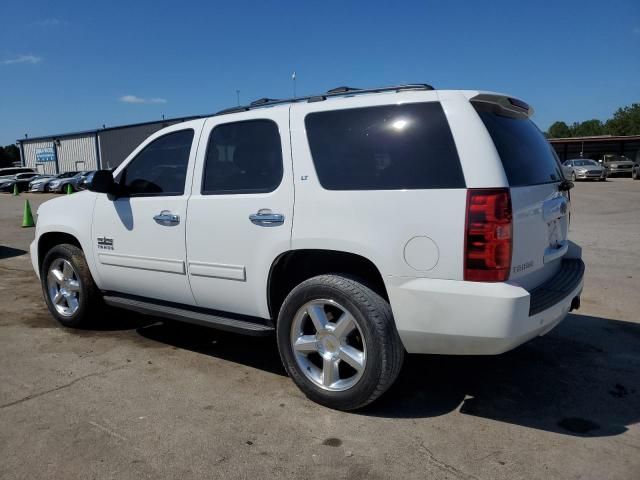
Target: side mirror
column 102, row 182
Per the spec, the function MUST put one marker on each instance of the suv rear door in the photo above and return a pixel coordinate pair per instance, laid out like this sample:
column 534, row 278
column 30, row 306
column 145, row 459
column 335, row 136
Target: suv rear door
column 533, row 171
column 240, row 213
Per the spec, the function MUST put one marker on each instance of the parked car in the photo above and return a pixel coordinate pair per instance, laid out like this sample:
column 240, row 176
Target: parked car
column 583, row 169
column 8, row 171
column 617, row 165
column 8, row 183
column 42, row 184
column 85, row 180
column 60, row 184
column 425, row 222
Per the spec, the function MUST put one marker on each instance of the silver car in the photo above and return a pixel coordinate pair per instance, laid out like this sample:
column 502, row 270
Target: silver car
column 583, row 169
column 618, row 165
column 41, row 184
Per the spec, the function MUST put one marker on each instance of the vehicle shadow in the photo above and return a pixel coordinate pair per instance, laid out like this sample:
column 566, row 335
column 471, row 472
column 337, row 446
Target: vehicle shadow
column 10, row 252
column 581, row 379
column 256, row 352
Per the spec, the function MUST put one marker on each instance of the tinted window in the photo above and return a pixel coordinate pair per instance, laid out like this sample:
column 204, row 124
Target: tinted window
column 160, row 168
column 527, row 157
column 243, row 157
column 384, row 148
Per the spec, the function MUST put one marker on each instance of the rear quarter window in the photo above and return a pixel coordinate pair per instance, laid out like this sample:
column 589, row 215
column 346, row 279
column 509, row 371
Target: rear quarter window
column 527, row 157
column 384, row 148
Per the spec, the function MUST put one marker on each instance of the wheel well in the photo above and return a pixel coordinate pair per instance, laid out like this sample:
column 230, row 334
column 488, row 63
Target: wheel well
column 293, row 267
column 51, row 239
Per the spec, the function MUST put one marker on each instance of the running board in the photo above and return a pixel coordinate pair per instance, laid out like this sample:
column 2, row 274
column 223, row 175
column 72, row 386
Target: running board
column 197, row 316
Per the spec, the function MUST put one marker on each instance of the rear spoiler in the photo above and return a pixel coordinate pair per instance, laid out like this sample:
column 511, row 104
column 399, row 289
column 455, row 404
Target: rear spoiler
column 506, row 105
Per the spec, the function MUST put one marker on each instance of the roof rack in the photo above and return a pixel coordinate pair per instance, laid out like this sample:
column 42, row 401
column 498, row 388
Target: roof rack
column 342, row 89
column 262, row 101
column 334, row 92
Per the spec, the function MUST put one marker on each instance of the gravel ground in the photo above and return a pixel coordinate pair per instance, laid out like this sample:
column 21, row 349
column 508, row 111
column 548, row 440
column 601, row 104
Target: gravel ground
column 140, row 398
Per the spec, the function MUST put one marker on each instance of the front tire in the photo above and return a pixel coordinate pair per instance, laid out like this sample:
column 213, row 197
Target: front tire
column 573, row 177
column 69, row 290
column 338, row 342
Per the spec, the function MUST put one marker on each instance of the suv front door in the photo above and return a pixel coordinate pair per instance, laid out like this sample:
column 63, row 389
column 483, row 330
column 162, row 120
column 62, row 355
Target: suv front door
column 240, row 211
column 140, row 236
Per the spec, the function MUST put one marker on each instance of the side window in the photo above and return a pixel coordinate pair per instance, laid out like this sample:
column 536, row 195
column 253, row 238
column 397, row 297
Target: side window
column 243, row 157
column 388, row 147
column 160, row 168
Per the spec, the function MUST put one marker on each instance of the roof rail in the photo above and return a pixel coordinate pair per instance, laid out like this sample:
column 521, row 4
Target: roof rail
column 262, row 101
column 342, row 89
column 334, row 92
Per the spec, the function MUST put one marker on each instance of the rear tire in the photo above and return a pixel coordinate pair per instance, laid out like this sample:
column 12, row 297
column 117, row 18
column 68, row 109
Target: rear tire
column 68, row 287
column 635, row 173
column 573, row 177
column 338, row 342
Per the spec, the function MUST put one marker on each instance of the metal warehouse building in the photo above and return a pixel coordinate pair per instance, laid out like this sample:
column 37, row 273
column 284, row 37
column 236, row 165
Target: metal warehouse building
column 89, row 150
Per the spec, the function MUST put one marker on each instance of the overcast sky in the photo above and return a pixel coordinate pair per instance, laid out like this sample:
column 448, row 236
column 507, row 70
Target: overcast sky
column 68, row 66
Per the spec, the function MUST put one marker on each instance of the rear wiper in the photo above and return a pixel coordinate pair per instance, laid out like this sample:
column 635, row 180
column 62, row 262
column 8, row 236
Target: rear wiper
column 565, row 185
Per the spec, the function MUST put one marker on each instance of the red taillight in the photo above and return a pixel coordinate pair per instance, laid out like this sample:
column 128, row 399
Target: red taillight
column 488, row 235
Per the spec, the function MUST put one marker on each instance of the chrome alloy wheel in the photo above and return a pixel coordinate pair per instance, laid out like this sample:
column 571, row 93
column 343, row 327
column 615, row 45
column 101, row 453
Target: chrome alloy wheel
column 328, row 345
column 64, row 287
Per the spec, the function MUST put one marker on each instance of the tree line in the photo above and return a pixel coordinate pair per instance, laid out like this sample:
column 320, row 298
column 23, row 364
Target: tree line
column 625, row 121
column 9, row 156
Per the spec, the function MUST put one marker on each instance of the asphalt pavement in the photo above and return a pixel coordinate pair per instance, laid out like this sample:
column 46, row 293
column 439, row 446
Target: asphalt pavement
column 143, row 398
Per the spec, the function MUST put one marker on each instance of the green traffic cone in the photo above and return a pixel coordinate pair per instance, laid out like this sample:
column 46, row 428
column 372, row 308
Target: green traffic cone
column 69, row 189
column 16, row 191
column 27, row 217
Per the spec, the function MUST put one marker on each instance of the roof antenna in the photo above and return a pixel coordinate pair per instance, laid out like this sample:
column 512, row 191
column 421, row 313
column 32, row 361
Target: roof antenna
column 293, row 78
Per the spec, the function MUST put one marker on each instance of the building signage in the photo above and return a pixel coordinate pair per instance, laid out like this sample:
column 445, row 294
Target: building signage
column 47, row 154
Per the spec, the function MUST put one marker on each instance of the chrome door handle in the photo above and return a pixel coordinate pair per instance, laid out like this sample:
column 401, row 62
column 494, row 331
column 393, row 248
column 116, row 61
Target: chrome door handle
column 165, row 217
column 265, row 218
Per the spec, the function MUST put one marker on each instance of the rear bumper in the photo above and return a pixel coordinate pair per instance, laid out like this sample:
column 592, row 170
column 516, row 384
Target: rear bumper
column 472, row 318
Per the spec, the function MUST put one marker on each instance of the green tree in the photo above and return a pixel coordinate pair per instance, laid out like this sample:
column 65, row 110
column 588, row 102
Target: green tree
column 587, row 129
column 9, row 155
column 559, row 130
column 626, row 121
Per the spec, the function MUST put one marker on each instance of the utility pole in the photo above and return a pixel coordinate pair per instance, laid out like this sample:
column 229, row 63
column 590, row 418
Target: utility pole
column 238, row 96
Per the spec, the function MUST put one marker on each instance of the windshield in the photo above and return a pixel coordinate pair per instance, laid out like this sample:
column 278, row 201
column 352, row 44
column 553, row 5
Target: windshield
column 585, row 163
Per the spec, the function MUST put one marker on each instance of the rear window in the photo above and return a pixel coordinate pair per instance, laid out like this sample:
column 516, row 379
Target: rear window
column 384, row 148
column 527, row 157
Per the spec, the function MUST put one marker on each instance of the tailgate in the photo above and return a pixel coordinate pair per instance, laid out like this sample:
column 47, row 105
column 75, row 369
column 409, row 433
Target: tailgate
column 540, row 210
column 540, row 227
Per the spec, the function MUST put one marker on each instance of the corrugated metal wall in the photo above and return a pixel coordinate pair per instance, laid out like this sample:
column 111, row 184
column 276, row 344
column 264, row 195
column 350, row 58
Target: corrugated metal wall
column 80, row 152
column 117, row 144
column 30, row 156
column 77, row 153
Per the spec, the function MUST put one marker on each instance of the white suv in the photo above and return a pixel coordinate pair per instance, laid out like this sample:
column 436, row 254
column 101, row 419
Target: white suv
column 357, row 225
